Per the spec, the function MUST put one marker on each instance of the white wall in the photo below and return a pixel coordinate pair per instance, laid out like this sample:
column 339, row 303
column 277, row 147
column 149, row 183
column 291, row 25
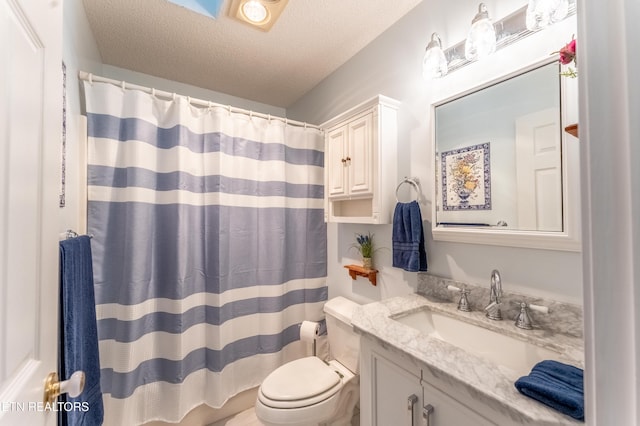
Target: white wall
column 80, row 52
column 391, row 65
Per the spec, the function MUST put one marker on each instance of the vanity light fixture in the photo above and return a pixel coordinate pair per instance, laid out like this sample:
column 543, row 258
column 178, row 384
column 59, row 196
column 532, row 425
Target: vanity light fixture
column 434, row 64
column 260, row 14
column 541, row 13
column 481, row 41
column 512, row 29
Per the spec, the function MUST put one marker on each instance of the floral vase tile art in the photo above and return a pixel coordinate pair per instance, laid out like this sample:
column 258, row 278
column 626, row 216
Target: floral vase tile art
column 466, row 178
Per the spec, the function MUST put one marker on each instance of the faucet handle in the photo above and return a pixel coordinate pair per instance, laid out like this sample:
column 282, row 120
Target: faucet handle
column 524, row 319
column 463, row 303
column 539, row 308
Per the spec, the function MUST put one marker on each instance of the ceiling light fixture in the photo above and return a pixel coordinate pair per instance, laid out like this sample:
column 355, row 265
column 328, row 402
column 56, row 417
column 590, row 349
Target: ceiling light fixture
column 255, row 11
column 260, row 14
column 481, row 41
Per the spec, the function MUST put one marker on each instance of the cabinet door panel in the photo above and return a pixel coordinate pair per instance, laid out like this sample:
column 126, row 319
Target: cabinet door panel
column 448, row 412
column 393, row 387
column 336, row 163
column 360, row 152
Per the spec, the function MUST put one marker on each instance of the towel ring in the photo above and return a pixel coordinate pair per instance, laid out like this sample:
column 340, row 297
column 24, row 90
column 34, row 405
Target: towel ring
column 413, row 182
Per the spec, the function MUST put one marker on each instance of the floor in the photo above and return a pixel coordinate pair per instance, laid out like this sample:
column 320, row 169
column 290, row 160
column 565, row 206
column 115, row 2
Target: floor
column 245, row 418
column 248, row 418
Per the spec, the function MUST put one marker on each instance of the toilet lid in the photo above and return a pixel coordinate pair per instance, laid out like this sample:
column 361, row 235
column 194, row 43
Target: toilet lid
column 300, row 379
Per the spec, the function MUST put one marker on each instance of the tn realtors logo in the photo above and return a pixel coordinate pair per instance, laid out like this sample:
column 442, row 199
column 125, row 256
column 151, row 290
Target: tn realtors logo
column 44, row 406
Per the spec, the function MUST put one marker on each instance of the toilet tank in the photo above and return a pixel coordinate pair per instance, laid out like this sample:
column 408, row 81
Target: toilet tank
column 344, row 343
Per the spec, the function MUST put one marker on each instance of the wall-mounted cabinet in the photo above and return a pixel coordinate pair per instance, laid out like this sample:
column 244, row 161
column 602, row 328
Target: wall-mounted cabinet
column 360, row 162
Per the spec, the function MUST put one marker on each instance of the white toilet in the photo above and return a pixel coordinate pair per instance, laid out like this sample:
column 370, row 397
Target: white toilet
column 309, row 391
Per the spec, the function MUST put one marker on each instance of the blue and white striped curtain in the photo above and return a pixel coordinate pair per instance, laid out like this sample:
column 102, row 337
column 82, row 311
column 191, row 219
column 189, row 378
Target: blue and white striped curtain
column 209, row 249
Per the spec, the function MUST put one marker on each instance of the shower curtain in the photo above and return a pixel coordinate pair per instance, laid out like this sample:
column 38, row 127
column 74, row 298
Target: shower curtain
column 209, row 249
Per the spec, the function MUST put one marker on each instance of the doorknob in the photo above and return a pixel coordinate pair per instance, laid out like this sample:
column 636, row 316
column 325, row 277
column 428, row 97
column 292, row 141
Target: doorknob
column 53, row 387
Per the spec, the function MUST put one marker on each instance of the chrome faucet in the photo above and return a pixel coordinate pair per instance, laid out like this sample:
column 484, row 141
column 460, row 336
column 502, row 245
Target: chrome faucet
column 493, row 308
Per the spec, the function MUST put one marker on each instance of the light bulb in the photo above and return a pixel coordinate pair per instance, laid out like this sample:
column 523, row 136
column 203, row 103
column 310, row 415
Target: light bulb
column 434, row 64
column 481, row 41
column 254, row 11
column 541, row 13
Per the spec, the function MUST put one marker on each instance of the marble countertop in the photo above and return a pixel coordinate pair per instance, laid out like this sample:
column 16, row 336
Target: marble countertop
column 489, row 383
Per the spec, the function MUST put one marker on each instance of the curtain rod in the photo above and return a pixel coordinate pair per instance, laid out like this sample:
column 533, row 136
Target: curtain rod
column 193, row 101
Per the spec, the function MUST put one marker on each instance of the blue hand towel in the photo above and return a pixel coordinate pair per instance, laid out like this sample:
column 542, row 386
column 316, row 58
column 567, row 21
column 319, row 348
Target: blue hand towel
column 558, row 385
column 408, row 238
column 78, row 332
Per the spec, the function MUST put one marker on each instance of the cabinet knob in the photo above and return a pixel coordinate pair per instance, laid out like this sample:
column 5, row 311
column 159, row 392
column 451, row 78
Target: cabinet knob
column 344, row 160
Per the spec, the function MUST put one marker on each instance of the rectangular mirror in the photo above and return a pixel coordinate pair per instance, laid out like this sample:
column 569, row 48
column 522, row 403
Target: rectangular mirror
column 499, row 160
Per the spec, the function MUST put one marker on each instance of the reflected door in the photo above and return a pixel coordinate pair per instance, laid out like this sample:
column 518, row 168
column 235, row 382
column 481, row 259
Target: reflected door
column 539, row 171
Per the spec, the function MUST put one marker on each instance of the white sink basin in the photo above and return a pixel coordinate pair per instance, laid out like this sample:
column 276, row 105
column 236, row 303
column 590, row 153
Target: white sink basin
column 517, row 355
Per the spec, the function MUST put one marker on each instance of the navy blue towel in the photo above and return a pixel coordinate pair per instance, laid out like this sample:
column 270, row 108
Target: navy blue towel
column 408, row 238
column 558, row 385
column 78, row 332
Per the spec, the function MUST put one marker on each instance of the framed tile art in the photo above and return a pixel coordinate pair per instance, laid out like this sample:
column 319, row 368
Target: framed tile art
column 466, row 178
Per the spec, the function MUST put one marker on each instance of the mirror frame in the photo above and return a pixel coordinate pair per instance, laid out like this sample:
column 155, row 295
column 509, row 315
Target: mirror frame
column 569, row 238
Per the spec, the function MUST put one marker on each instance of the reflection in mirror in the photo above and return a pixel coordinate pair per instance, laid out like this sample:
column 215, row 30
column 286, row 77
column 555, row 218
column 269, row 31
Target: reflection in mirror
column 499, row 156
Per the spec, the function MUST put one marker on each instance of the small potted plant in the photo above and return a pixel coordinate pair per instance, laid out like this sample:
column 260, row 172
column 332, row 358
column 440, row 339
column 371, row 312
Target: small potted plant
column 364, row 245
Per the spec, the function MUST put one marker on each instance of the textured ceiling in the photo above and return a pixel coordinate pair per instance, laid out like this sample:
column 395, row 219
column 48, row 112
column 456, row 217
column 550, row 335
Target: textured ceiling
column 310, row 40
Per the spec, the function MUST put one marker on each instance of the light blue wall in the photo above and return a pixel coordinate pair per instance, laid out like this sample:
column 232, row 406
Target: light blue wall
column 391, row 65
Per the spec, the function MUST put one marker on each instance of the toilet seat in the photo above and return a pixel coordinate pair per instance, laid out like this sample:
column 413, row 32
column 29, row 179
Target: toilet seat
column 300, row 383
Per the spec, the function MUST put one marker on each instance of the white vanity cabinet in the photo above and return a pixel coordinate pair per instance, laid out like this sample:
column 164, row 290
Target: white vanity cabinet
column 394, row 392
column 360, row 163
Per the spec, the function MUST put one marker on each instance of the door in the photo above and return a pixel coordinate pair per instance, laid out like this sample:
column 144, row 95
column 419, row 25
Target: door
column 539, row 171
column 30, row 129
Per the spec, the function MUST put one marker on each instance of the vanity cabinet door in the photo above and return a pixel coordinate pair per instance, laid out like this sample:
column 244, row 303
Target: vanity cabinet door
column 448, row 411
column 397, row 394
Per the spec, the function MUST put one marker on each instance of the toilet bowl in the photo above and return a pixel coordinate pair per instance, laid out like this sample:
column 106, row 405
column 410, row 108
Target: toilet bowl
column 310, row 391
